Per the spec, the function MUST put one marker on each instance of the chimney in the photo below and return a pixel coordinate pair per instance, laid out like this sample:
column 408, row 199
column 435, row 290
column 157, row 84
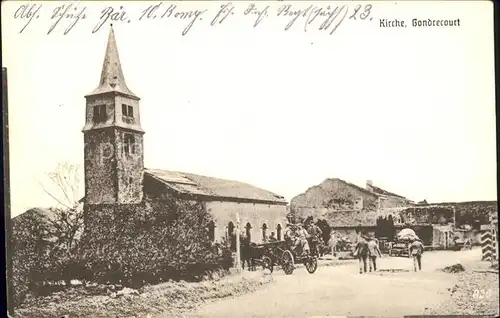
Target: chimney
column 369, row 183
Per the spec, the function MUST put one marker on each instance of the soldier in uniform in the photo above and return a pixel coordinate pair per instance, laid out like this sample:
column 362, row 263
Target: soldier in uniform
column 301, row 239
column 416, row 251
column 272, row 238
column 374, row 252
column 315, row 232
column 289, row 232
column 361, row 253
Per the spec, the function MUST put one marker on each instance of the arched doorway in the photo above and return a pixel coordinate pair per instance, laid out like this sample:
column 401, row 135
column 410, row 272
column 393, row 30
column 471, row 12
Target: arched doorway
column 325, row 228
column 278, row 232
column 230, row 236
column 230, row 229
column 248, row 231
column 264, row 232
column 211, row 231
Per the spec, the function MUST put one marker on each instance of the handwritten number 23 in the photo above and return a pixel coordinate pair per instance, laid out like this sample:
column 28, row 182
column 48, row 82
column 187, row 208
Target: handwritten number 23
column 363, row 14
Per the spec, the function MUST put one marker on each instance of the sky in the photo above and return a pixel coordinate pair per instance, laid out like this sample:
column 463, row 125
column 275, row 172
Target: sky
column 412, row 109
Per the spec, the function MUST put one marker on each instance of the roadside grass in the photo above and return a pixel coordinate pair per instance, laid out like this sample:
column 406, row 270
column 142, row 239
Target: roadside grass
column 171, row 298
column 475, row 293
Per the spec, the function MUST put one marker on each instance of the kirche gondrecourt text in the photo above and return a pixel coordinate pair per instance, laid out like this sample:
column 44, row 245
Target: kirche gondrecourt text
column 396, row 23
column 392, row 23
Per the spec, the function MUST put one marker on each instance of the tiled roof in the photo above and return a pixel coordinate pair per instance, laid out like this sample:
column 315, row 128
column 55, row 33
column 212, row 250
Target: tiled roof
column 210, row 187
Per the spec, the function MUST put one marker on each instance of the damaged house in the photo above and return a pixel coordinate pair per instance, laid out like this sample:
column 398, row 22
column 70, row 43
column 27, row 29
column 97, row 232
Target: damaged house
column 347, row 209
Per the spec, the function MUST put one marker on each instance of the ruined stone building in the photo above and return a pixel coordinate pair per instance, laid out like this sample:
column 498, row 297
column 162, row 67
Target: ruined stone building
column 116, row 179
column 335, row 194
column 348, row 209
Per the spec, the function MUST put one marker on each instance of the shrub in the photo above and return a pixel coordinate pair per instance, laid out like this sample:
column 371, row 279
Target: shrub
column 31, row 243
column 133, row 248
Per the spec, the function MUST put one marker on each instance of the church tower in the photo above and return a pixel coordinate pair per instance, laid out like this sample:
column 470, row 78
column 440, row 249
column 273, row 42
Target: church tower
column 114, row 158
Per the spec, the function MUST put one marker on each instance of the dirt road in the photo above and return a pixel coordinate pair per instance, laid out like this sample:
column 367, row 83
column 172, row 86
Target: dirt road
column 342, row 290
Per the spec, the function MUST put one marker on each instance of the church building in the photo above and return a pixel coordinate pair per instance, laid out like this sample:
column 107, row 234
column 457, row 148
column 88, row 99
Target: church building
column 115, row 177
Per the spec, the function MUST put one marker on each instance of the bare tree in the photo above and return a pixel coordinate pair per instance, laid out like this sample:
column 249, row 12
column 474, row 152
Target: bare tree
column 65, row 188
column 66, row 219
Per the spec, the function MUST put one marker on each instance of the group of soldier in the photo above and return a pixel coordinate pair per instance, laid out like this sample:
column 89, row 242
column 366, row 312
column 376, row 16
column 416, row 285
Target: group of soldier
column 367, row 251
column 367, row 248
column 299, row 233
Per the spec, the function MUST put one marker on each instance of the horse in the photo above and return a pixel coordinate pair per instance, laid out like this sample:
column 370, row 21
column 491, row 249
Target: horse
column 247, row 253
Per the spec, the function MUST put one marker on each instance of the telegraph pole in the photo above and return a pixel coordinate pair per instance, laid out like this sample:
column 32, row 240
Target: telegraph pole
column 454, row 218
column 238, row 252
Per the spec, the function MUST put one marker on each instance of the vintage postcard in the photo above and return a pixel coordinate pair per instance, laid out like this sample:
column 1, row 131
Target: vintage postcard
column 250, row 159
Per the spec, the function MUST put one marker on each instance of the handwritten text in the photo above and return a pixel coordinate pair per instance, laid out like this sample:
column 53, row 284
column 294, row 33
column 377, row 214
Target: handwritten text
column 326, row 18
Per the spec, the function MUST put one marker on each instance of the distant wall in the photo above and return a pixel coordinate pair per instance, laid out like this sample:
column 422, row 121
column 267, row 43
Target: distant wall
column 351, row 233
column 392, row 202
column 473, row 213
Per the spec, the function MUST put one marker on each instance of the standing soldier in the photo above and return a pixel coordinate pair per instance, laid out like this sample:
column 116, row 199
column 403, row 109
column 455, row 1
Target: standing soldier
column 332, row 243
column 361, row 253
column 416, row 251
column 374, row 251
column 315, row 232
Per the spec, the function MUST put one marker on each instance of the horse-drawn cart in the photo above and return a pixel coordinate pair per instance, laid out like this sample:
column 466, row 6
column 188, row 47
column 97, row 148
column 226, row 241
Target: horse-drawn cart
column 400, row 248
column 282, row 254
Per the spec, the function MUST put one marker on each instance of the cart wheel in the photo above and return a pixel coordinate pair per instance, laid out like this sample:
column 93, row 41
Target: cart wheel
column 287, row 262
column 311, row 264
column 267, row 263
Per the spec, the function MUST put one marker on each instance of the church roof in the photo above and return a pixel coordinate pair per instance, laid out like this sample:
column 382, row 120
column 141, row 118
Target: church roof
column 213, row 188
column 112, row 79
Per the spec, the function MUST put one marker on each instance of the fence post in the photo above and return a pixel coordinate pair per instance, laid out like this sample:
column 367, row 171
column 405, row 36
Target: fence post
column 494, row 237
column 486, row 246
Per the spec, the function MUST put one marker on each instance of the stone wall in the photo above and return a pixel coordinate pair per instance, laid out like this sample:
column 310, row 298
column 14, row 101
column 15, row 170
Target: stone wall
column 99, row 167
column 335, row 194
column 130, row 169
column 392, row 202
column 473, row 213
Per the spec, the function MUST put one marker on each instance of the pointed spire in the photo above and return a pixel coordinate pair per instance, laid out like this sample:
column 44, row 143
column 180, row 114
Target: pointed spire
column 112, row 79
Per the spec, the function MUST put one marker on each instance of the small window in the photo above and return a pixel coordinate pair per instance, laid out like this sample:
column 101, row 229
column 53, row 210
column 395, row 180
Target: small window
column 100, row 113
column 129, row 144
column 127, row 110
